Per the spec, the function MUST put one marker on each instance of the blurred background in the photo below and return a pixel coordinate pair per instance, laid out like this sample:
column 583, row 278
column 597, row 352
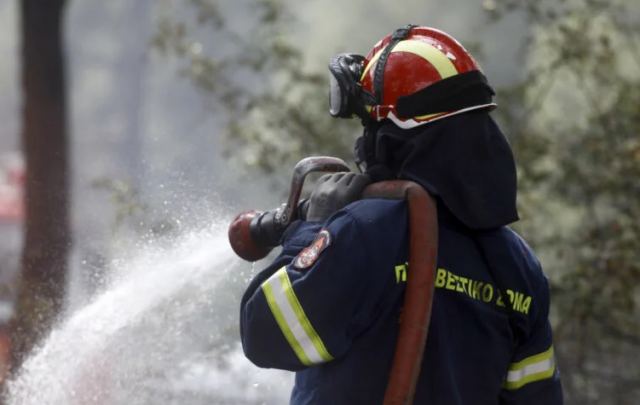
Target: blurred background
column 127, row 121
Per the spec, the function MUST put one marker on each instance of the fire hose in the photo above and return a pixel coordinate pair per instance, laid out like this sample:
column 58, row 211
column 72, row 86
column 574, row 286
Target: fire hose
column 253, row 234
column 418, row 297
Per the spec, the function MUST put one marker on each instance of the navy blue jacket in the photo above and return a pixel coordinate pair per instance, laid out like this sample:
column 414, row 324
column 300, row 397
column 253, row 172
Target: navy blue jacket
column 328, row 308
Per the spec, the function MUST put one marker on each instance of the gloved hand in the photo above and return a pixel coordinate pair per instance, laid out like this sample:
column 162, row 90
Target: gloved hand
column 333, row 192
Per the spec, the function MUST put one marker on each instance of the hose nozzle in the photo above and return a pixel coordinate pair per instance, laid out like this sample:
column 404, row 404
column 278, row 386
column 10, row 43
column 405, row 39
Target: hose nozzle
column 242, row 241
column 253, row 234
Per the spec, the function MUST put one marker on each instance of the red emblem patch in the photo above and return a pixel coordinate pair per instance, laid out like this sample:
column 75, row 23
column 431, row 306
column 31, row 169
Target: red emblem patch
column 309, row 255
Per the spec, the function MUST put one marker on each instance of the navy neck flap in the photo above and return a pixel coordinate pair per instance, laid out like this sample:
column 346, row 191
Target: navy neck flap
column 464, row 160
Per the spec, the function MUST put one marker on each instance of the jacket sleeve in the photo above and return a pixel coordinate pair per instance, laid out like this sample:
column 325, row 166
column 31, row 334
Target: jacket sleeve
column 533, row 376
column 295, row 316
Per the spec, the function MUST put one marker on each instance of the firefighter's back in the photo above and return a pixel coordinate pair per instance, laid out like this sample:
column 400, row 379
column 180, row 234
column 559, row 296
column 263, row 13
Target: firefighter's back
column 489, row 317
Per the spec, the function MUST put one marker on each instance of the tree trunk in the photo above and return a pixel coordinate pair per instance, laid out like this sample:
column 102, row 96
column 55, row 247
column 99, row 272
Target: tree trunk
column 47, row 229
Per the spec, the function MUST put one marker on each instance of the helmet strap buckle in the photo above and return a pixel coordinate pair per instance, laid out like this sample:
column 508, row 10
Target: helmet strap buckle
column 381, row 112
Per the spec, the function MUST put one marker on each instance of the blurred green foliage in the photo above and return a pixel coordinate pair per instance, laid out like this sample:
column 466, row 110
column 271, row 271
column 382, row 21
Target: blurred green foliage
column 573, row 121
column 253, row 69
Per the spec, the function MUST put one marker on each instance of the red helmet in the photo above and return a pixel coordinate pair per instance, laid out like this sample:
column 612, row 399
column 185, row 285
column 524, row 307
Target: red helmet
column 424, row 75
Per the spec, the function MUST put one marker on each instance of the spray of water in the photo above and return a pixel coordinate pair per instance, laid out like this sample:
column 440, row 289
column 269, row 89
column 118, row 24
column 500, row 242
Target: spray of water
column 163, row 332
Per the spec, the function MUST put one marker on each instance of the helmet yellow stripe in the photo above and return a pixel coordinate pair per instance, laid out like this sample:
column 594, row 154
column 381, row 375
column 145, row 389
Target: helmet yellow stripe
column 371, row 63
column 433, row 55
column 430, row 53
column 426, row 117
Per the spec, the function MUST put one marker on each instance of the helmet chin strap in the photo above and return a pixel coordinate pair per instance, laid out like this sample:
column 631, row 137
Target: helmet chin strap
column 378, row 76
column 365, row 152
column 367, row 155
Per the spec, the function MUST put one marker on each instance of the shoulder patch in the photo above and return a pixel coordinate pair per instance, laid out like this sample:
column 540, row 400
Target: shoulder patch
column 308, row 256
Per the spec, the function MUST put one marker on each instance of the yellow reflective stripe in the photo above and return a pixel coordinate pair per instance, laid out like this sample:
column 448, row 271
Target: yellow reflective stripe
column 430, row 53
column 534, row 368
column 428, row 116
column 302, row 318
column 371, row 63
column 292, row 320
column 282, row 323
column 433, row 55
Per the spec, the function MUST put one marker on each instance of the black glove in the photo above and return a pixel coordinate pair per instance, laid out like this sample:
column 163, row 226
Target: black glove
column 333, row 192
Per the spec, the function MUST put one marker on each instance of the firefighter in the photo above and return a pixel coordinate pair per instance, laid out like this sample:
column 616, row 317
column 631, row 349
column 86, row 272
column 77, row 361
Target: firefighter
column 329, row 305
